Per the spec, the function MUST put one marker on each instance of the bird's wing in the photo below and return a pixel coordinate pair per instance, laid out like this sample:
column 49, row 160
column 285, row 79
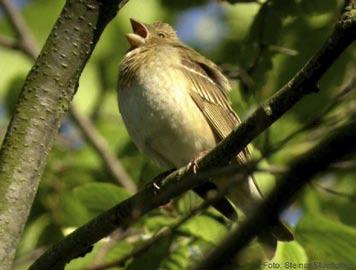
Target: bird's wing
column 209, row 89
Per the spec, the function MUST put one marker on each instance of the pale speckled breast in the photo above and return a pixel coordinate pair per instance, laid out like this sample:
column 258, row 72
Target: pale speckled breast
column 159, row 114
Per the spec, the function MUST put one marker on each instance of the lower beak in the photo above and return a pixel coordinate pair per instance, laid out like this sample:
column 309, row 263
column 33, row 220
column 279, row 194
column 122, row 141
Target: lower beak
column 135, row 40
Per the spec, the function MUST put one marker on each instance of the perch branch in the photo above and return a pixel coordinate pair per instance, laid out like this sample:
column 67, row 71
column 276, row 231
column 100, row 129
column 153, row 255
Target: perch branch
column 337, row 145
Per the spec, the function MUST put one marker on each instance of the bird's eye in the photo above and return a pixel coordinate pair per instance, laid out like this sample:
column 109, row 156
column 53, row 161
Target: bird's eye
column 162, row 34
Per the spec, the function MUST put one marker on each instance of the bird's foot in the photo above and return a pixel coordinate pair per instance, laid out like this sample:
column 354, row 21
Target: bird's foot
column 193, row 164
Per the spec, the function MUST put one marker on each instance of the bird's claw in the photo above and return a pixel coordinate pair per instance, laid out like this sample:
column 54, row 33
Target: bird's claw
column 193, row 166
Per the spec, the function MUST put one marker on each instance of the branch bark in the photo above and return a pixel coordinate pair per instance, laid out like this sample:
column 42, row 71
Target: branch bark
column 44, row 100
column 130, row 210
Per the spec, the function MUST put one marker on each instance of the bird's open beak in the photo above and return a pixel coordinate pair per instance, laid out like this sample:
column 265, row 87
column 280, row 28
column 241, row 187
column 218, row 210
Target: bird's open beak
column 139, row 35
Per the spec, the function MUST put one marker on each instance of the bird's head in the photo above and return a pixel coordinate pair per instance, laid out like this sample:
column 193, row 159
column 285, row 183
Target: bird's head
column 150, row 34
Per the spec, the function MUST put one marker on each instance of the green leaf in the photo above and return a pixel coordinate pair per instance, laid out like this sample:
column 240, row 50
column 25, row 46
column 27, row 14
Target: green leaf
column 177, row 259
column 98, row 197
column 288, row 255
column 155, row 223
column 73, row 211
column 33, row 233
column 151, row 259
column 327, row 240
column 187, row 202
column 13, row 92
column 118, row 251
column 205, row 228
column 87, row 260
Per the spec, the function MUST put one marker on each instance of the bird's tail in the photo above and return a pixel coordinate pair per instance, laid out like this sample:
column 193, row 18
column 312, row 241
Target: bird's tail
column 245, row 196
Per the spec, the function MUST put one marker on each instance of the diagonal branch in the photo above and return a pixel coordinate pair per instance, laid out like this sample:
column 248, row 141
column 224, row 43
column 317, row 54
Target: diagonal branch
column 130, row 210
column 339, row 144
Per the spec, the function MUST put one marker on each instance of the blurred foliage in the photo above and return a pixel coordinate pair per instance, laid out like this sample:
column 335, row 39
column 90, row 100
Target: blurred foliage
column 261, row 46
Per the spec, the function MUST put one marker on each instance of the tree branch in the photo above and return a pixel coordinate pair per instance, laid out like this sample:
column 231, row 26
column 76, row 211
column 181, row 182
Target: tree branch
column 28, row 46
column 339, row 144
column 132, row 209
column 164, row 233
column 44, row 101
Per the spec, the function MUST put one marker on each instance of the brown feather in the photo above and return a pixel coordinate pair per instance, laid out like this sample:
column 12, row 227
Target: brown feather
column 209, row 89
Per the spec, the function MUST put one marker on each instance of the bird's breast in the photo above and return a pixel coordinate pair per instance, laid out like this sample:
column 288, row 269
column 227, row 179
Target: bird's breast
column 161, row 117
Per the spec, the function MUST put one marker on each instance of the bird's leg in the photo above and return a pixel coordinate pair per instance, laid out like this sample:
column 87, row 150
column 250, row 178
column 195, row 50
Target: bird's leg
column 193, row 164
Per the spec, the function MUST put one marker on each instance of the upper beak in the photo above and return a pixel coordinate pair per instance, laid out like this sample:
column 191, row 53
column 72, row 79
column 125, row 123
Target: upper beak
column 139, row 35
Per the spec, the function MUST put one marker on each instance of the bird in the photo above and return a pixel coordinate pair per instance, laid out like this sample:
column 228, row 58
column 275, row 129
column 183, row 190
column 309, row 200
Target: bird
column 175, row 106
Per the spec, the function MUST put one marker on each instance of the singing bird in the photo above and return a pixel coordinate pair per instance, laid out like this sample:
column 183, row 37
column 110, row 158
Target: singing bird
column 174, row 103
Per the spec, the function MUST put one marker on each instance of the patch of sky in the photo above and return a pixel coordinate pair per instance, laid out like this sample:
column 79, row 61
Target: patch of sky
column 71, row 135
column 203, row 27
column 292, row 215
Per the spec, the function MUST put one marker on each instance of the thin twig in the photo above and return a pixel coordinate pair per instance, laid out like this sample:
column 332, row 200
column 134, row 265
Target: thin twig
column 262, row 46
column 334, row 192
column 344, row 165
column 348, row 85
column 109, row 245
column 22, row 32
column 317, row 119
column 8, row 42
column 102, row 148
column 282, row 50
column 30, row 257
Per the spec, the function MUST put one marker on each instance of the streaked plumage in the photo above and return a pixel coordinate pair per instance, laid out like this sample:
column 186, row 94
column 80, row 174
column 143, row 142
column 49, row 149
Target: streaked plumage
column 174, row 104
